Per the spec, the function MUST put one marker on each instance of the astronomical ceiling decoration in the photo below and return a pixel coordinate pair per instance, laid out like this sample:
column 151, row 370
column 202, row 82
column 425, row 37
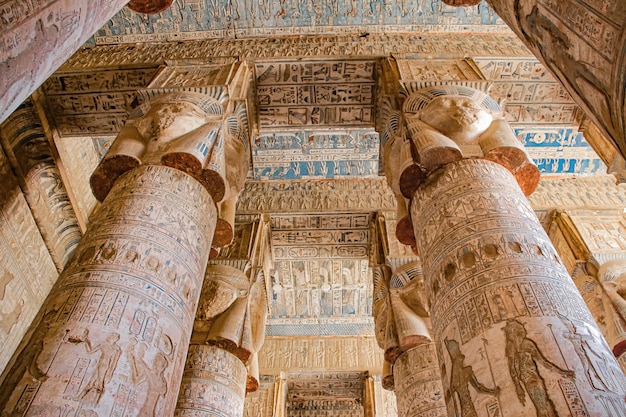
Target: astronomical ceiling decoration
column 322, row 282
column 204, row 19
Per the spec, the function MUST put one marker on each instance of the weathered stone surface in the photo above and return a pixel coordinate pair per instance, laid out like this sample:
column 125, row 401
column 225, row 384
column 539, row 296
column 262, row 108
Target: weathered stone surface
column 495, row 286
column 37, row 38
column 27, row 271
column 417, row 383
column 115, row 327
column 281, row 354
column 149, row 6
column 214, row 383
column 23, row 135
column 587, row 58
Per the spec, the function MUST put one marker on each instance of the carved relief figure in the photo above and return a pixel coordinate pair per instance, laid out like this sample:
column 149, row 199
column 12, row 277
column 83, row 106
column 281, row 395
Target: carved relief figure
column 110, row 353
column 585, row 352
column 153, row 377
column 523, row 356
column 460, row 378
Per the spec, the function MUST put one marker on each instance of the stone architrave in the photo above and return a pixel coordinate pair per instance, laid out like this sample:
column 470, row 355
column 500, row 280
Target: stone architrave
column 37, row 38
column 115, row 328
column 508, row 322
column 22, row 135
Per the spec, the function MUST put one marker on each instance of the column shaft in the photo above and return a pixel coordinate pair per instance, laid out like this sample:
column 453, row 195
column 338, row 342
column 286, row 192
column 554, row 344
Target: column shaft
column 513, row 334
column 23, row 137
column 417, row 383
column 115, row 328
column 40, row 38
column 214, row 384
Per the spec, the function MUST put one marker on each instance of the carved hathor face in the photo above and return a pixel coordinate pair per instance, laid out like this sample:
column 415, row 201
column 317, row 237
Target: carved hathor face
column 165, row 121
column 459, row 118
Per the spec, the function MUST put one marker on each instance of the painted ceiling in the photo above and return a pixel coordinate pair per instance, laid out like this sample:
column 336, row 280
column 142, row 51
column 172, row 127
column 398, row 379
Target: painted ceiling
column 204, row 19
column 316, row 119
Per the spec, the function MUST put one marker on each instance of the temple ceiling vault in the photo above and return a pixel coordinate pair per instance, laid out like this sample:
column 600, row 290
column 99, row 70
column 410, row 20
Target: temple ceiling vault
column 316, row 116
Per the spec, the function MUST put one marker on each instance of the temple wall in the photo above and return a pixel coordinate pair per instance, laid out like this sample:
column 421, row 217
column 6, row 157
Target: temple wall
column 26, row 268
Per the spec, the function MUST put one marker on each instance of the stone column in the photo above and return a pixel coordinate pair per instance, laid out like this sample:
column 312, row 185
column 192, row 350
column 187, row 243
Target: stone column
column 280, row 396
column 409, row 348
column 512, row 332
column 214, row 383
column 611, row 294
column 369, row 410
column 24, row 139
column 41, row 37
column 114, row 331
column 417, row 383
column 229, row 330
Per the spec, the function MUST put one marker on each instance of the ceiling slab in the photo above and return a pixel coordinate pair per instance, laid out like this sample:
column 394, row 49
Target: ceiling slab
column 205, row 19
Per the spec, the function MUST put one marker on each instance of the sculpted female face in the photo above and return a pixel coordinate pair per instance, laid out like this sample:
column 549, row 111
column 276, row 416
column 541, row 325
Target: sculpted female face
column 459, row 118
column 165, row 121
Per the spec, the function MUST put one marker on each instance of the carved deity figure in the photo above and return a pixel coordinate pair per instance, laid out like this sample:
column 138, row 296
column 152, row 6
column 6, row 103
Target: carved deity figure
column 523, row 356
column 141, row 372
column 178, row 129
column 461, row 376
column 452, row 122
column 110, row 353
column 586, row 353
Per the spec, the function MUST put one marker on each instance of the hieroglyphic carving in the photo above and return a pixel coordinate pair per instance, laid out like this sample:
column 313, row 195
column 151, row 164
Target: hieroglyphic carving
column 559, row 150
column 440, row 70
column 603, row 232
column 94, row 102
column 311, row 196
column 133, row 284
column 316, row 93
column 213, row 383
column 496, row 285
column 313, row 154
column 340, row 353
column 325, row 394
column 583, row 192
column 385, row 400
column 26, row 272
column 24, row 138
column 38, row 37
column 422, row 44
column 417, row 383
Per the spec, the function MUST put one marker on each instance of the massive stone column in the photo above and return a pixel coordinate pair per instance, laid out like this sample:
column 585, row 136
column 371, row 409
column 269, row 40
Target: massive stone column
column 229, row 330
column 36, row 38
column 113, row 333
column 512, row 332
column 583, row 44
column 24, row 139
